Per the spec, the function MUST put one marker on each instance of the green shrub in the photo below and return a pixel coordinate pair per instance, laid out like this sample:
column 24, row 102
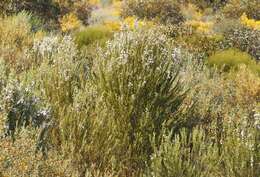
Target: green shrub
column 166, row 11
column 92, row 35
column 230, row 59
column 134, row 91
column 196, row 154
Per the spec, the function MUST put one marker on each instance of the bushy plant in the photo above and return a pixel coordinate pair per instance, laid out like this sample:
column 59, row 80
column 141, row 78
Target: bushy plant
column 204, row 4
column 92, row 35
column 230, row 59
column 166, row 11
column 134, row 91
column 69, row 22
column 195, row 41
column 81, row 8
column 245, row 39
column 42, row 8
column 235, row 9
column 14, row 43
column 196, row 154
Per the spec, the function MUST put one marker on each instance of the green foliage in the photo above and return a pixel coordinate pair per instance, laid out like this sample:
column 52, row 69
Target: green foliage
column 196, row 154
column 138, row 103
column 230, row 59
column 165, row 11
column 123, row 110
column 92, row 35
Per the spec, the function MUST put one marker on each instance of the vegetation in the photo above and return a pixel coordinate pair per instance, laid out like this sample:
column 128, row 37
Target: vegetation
column 231, row 59
column 129, row 88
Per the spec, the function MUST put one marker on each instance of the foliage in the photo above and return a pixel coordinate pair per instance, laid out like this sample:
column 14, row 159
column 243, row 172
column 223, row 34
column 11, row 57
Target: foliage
column 42, row 8
column 196, row 154
column 230, row 59
column 236, row 8
column 69, row 22
column 165, row 11
column 129, row 95
column 91, row 35
column 81, row 8
column 204, row 4
column 245, row 39
column 15, row 42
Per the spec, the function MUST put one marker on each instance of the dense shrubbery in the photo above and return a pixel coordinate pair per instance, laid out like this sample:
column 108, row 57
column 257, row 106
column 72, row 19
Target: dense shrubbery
column 245, row 39
column 130, row 96
column 235, row 8
column 165, row 11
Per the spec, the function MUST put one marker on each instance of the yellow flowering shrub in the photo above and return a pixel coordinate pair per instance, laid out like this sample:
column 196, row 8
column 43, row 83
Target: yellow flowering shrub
column 200, row 26
column 113, row 25
column 69, row 22
column 251, row 23
column 132, row 22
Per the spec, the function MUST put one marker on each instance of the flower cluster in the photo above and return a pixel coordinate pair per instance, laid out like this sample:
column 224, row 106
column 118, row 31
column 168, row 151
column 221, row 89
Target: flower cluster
column 69, row 22
column 251, row 23
column 200, row 26
column 55, row 48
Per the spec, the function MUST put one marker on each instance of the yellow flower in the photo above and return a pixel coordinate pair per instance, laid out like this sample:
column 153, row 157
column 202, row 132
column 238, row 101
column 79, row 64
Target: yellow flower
column 250, row 23
column 200, row 26
column 130, row 22
column 69, row 22
column 113, row 25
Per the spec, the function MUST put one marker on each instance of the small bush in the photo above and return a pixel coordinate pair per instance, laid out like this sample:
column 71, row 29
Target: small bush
column 230, row 59
column 91, row 35
column 166, row 11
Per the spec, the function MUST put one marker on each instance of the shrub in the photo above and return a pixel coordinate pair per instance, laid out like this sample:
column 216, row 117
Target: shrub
column 91, row 35
column 69, row 22
column 204, row 4
column 81, row 8
column 13, row 43
column 133, row 92
column 235, row 9
column 166, row 11
column 245, row 39
column 229, row 59
column 43, row 8
column 196, row 154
